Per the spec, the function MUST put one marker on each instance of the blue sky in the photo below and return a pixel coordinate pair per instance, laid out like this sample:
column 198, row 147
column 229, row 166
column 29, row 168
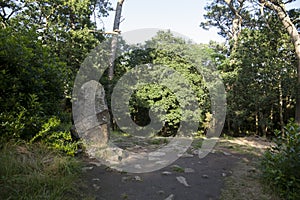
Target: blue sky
column 182, row 16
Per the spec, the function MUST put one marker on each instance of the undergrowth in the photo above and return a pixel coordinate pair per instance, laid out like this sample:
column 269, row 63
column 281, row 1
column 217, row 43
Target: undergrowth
column 281, row 163
column 33, row 171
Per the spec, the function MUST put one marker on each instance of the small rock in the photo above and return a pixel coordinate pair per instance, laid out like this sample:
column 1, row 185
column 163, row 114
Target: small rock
column 224, row 174
column 84, row 169
column 182, row 180
column 96, row 187
column 161, row 192
column 171, row 197
column 95, row 179
column 108, row 169
column 189, row 170
column 166, row 173
column 252, row 170
column 137, row 178
column 187, row 155
column 95, row 163
column 196, row 152
column 124, row 179
column 204, row 176
column 226, row 153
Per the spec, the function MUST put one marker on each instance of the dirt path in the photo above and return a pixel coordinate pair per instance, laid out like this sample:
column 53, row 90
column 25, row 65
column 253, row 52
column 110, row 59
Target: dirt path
column 189, row 178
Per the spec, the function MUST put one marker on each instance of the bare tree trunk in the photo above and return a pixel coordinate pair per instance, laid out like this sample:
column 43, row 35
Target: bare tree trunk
column 256, row 123
column 279, row 8
column 281, row 107
column 114, row 44
column 114, row 41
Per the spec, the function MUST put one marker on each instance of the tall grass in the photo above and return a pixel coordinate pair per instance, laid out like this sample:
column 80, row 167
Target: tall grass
column 36, row 172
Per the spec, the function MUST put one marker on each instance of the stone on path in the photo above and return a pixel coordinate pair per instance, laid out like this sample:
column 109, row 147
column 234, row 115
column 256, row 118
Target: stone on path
column 85, row 169
column 137, row 178
column 189, row 170
column 226, row 153
column 98, row 164
column 96, row 187
column 171, row 197
column 204, row 176
column 182, row 180
column 166, row 173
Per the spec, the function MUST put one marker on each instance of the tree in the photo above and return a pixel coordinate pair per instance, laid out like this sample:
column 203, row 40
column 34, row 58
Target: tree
column 165, row 49
column 114, row 41
column 32, row 84
column 262, row 21
column 279, row 7
column 64, row 26
column 43, row 44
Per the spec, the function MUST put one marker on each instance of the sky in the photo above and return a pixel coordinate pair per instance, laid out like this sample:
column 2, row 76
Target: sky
column 182, row 16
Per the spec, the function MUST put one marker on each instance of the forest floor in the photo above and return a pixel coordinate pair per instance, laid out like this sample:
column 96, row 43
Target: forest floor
column 231, row 171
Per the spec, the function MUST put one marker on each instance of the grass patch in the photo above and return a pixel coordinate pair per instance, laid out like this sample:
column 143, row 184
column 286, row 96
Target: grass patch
column 245, row 184
column 176, row 168
column 245, row 181
column 36, row 172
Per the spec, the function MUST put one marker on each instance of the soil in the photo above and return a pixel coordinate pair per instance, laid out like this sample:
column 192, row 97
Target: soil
column 205, row 178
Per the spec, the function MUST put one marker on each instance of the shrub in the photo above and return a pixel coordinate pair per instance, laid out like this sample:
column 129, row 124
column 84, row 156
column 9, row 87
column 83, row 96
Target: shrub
column 57, row 135
column 281, row 163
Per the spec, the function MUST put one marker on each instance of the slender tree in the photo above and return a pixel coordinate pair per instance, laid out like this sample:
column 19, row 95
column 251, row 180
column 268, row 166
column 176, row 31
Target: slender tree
column 114, row 40
column 279, row 7
column 227, row 16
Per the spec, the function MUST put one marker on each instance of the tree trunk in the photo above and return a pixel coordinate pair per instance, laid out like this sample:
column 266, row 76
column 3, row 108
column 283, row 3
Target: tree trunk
column 114, row 44
column 279, row 8
column 281, row 108
column 114, row 41
column 256, row 123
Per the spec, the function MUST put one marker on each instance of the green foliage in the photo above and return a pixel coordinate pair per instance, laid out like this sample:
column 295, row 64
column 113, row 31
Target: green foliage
column 31, row 82
column 36, row 172
column 42, row 44
column 56, row 135
column 281, row 163
column 175, row 53
column 258, row 67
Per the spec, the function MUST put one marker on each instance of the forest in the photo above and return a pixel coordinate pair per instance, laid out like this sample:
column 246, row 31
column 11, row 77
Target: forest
column 44, row 43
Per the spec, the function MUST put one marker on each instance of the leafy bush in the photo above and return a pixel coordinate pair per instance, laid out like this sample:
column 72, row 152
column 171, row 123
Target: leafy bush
column 32, row 92
column 31, row 84
column 281, row 163
column 57, row 135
